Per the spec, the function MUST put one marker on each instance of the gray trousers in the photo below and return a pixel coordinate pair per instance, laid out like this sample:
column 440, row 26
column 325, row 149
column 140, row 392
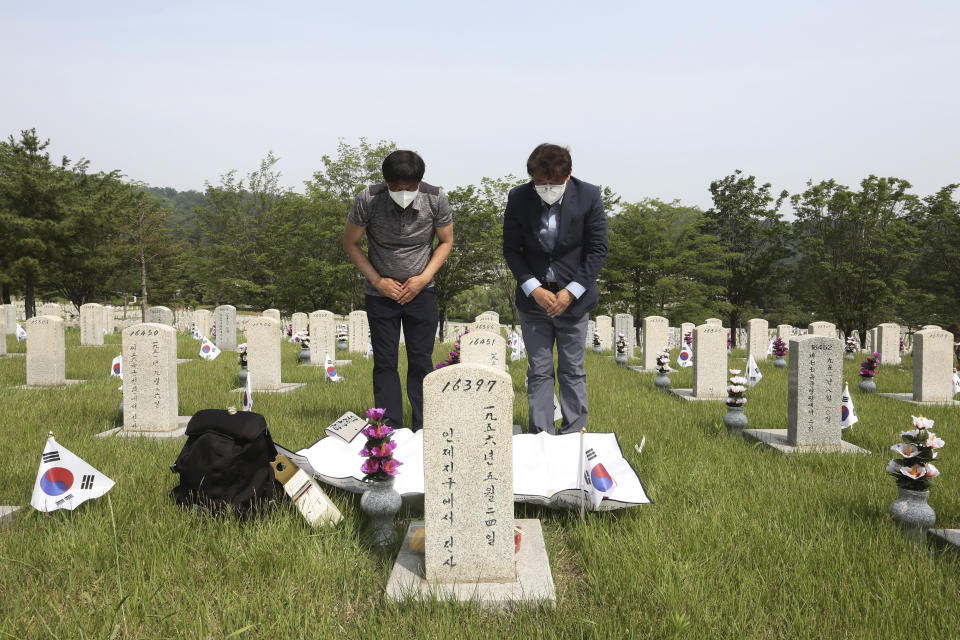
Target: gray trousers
column 540, row 332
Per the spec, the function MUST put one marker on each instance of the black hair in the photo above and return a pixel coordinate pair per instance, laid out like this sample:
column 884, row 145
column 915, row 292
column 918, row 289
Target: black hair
column 551, row 161
column 403, row 165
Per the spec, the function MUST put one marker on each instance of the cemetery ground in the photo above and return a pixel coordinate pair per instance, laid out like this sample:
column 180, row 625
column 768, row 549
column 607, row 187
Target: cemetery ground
column 741, row 541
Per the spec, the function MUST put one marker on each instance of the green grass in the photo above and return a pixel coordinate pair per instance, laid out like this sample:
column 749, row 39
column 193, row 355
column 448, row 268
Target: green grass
column 741, row 541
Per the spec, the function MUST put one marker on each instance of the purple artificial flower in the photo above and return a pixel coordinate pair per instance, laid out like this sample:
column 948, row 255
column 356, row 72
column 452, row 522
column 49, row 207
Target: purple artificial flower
column 389, row 467
column 375, row 414
column 365, row 452
column 378, row 431
column 385, row 450
column 370, row 465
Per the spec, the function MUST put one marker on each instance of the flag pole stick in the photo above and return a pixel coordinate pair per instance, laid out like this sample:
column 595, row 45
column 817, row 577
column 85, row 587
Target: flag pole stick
column 580, row 476
column 116, row 548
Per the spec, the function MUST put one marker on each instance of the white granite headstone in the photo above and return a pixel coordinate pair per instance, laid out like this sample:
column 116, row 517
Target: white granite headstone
column 933, row 366
column 263, row 353
column 888, row 341
column 822, row 328
column 204, row 320
column 91, row 324
column 709, row 361
column 300, row 321
column 359, row 332
column 758, row 332
column 605, row 329
column 484, row 347
column 323, row 337
column 160, row 315
column 784, row 331
column 468, row 475
column 225, row 320
column 150, row 378
column 815, row 381
column 655, row 337
column 46, row 352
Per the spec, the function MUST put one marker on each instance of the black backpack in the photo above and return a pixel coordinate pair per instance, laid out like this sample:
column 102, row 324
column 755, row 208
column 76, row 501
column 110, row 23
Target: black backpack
column 226, row 461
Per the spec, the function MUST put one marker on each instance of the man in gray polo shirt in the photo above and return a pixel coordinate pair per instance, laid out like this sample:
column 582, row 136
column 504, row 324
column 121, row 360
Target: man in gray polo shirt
column 400, row 218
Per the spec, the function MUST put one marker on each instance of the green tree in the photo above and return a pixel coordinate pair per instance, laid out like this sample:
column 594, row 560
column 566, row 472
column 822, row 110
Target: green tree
column 856, row 249
column 746, row 219
column 660, row 262
column 933, row 292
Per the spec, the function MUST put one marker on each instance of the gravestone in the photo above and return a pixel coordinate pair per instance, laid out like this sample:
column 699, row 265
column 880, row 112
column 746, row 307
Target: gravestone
column 263, row 353
column 484, row 348
column 709, row 362
column 784, row 331
column 10, row 313
column 591, row 328
column 933, row 366
column 3, row 334
column 203, row 319
column 814, row 397
column 655, row 337
column 225, row 322
column 758, row 338
column 271, row 313
column 359, row 331
column 150, row 380
column 160, row 315
column 468, row 475
column 888, row 341
column 685, row 328
column 623, row 324
column 91, row 324
column 605, row 329
column 51, row 309
column 870, row 341
column 488, row 316
column 931, row 326
column 714, row 321
column 46, row 352
column 822, row 328
column 109, row 320
column 323, row 337
column 300, row 321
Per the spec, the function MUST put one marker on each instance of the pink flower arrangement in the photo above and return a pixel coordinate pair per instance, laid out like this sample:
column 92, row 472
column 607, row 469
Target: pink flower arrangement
column 914, row 468
column 454, row 354
column 868, row 369
column 779, row 347
column 378, row 451
column 688, row 337
column 736, row 390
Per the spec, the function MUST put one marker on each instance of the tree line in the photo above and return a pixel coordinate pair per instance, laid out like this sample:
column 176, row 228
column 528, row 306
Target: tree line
column 852, row 256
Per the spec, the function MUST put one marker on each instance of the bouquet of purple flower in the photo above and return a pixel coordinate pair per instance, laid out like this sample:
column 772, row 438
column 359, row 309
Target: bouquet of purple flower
column 688, row 337
column 779, row 347
column 901, row 344
column 378, row 451
column 454, row 357
column 914, row 468
column 868, row 369
column 729, row 341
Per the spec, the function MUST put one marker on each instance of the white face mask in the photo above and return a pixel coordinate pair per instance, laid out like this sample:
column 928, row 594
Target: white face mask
column 403, row 198
column 550, row 193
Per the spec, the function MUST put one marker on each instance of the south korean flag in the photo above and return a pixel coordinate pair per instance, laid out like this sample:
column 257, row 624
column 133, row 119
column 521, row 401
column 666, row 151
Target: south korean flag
column 208, row 350
column 848, row 415
column 64, row 481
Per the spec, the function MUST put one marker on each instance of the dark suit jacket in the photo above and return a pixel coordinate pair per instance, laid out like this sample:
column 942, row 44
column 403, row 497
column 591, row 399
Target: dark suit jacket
column 581, row 247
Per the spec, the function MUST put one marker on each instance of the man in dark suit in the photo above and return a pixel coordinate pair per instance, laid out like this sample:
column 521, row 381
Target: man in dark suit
column 555, row 243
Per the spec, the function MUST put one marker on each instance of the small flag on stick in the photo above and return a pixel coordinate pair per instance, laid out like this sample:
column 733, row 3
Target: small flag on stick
column 248, row 394
column 848, row 415
column 208, row 350
column 331, row 370
column 753, row 371
column 64, row 481
column 116, row 367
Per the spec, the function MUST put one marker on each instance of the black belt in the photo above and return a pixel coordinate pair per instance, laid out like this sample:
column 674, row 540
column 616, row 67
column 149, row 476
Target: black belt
column 552, row 287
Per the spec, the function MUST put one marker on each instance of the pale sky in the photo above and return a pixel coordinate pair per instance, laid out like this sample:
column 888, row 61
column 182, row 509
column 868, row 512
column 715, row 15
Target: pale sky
column 655, row 99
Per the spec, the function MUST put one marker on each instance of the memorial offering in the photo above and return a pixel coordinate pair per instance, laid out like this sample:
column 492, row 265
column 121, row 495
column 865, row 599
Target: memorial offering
column 454, row 354
column 914, row 472
column 868, row 370
column 779, row 351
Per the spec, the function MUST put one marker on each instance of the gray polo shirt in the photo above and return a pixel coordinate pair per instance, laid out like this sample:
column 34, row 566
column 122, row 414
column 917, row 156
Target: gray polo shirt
column 400, row 241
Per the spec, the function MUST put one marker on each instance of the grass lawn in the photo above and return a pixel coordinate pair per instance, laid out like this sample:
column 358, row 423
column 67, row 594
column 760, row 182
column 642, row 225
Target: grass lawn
column 740, row 541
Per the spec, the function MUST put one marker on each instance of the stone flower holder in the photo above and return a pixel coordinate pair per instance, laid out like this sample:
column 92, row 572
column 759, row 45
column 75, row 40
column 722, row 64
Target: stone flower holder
column 867, row 385
column 341, row 345
column 849, row 356
column 735, row 419
column 598, row 349
column 621, row 359
column 380, row 502
column 242, row 375
column 911, row 511
column 662, row 382
column 305, row 355
column 780, row 362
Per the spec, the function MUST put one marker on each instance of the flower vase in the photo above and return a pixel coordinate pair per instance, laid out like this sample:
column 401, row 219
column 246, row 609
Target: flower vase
column 911, row 511
column 867, row 385
column 780, row 362
column 729, row 351
column 242, row 375
column 735, row 419
column 849, row 356
column 341, row 345
column 380, row 502
column 621, row 359
column 598, row 349
column 305, row 355
column 662, row 381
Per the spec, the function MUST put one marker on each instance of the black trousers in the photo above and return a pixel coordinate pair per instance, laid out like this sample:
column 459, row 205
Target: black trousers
column 419, row 320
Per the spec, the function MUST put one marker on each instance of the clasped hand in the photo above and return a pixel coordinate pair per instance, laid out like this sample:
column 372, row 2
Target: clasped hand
column 553, row 303
column 402, row 293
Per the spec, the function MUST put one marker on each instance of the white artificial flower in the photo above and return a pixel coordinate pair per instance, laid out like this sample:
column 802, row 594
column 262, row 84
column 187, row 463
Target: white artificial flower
column 905, row 450
column 922, row 423
column 735, row 372
column 916, row 472
column 736, row 388
column 933, row 441
column 738, row 380
column 932, row 471
column 913, row 433
column 893, row 466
